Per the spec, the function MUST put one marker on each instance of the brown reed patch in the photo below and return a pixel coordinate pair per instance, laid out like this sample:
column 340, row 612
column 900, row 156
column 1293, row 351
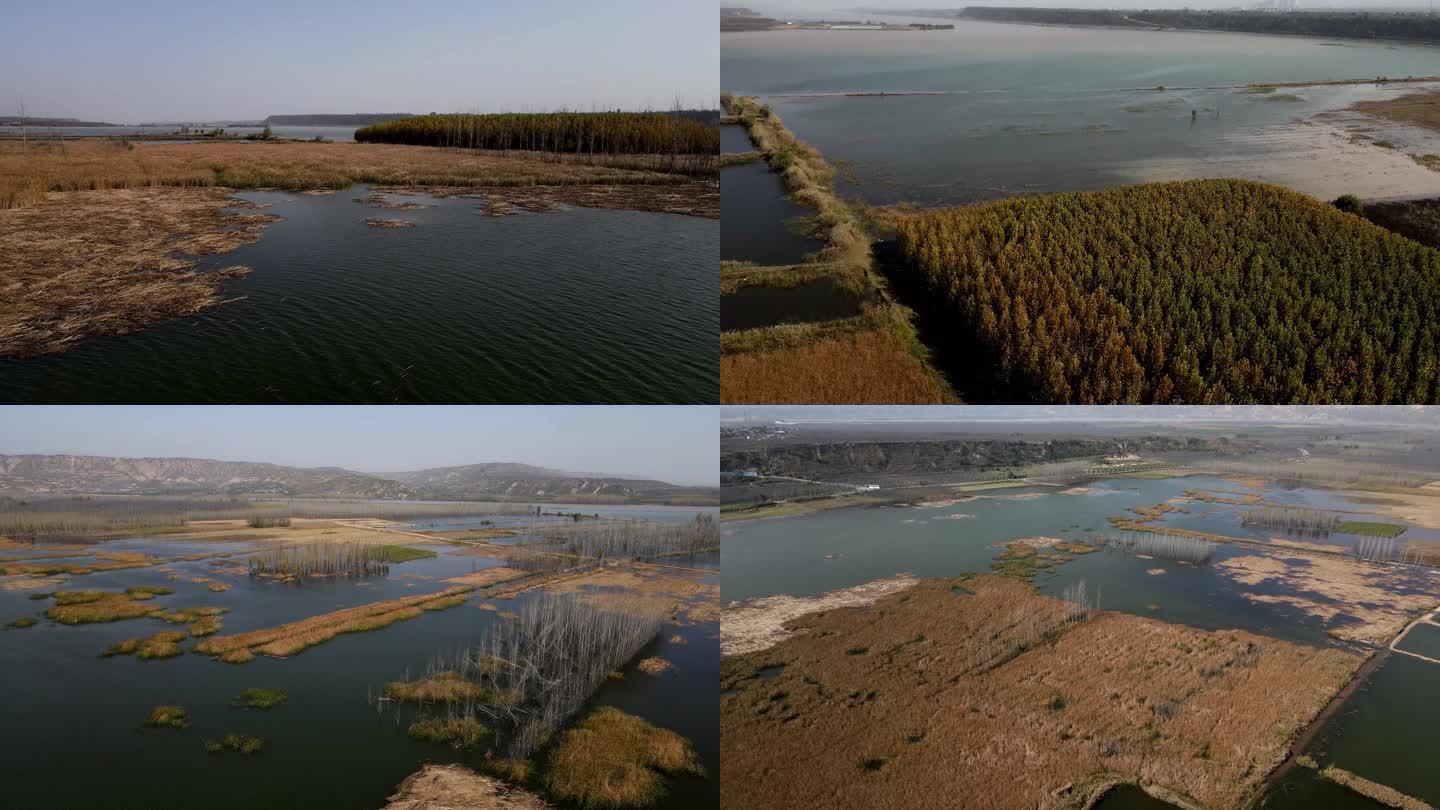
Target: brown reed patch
column 614, row 759
column 901, row 704
column 456, row 787
column 294, row 637
column 865, row 367
column 91, row 263
column 487, row 576
column 25, row 175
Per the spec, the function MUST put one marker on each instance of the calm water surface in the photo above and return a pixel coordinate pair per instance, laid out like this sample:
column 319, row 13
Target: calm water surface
column 1035, row 109
column 812, row 554
column 580, row 306
column 757, row 214
column 819, row 300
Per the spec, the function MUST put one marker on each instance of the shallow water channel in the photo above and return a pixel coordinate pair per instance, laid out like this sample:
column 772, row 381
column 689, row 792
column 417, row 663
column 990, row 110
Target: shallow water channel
column 578, row 306
column 326, row 746
column 758, row 218
column 818, row 300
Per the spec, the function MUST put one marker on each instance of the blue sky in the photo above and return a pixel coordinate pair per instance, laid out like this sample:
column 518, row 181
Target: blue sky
column 148, row 60
column 679, row 444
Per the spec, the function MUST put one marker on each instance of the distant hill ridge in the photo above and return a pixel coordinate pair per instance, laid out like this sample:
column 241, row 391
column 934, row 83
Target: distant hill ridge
column 335, row 119
column 72, row 474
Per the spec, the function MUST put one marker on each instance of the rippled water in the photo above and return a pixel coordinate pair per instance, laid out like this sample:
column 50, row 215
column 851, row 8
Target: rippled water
column 580, row 306
column 1028, row 109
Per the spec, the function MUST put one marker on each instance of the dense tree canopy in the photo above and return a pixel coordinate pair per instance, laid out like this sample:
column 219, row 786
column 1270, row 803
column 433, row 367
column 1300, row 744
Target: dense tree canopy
column 597, row 133
column 1194, row 291
column 1356, row 24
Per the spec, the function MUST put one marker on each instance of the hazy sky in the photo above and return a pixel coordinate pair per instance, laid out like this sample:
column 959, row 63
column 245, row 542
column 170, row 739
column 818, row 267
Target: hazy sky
column 1418, row 416
column 144, row 60
column 679, row 444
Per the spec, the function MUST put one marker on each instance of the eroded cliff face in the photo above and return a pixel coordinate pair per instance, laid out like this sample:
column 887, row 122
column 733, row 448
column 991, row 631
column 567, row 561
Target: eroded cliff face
column 819, row 461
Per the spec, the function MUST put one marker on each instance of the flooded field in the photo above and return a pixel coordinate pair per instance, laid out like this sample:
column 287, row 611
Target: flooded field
column 576, row 305
column 759, row 218
column 1212, row 553
column 814, row 554
column 329, row 743
column 991, row 110
column 819, row 300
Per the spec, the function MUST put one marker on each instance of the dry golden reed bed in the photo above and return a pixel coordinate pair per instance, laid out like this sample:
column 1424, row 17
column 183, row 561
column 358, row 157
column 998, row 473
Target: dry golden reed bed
column 289, row 639
column 25, row 175
column 1419, row 109
column 886, row 706
column 455, row 787
column 105, row 262
column 863, row 367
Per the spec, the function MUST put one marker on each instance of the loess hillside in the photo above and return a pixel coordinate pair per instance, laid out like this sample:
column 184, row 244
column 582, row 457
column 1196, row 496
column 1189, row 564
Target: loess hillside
column 1193, row 291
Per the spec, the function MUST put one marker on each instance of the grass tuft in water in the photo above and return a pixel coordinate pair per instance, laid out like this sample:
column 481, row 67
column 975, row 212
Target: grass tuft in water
column 461, row 732
column 262, row 698
column 613, row 759
column 168, row 717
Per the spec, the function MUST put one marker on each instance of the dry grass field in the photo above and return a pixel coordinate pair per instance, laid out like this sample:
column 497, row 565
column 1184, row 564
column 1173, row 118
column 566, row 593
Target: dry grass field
column 27, row 174
column 860, row 367
column 1418, row 109
column 902, row 704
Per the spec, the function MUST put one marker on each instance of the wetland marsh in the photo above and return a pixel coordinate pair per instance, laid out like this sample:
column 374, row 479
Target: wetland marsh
column 1134, row 579
column 574, row 304
column 307, row 726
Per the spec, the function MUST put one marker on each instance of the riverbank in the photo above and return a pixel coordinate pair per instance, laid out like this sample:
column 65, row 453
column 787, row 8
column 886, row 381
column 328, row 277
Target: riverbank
column 872, row 357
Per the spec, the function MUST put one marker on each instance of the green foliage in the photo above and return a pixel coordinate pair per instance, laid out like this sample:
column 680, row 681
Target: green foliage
column 168, row 717
column 143, row 592
column 1358, row 24
column 462, row 732
column 399, row 554
column 1350, row 204
column 244, row 743
column 1370, row 528
column 1195, row 291
column 261, row 522
column 604, row 133
column 262, row 698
